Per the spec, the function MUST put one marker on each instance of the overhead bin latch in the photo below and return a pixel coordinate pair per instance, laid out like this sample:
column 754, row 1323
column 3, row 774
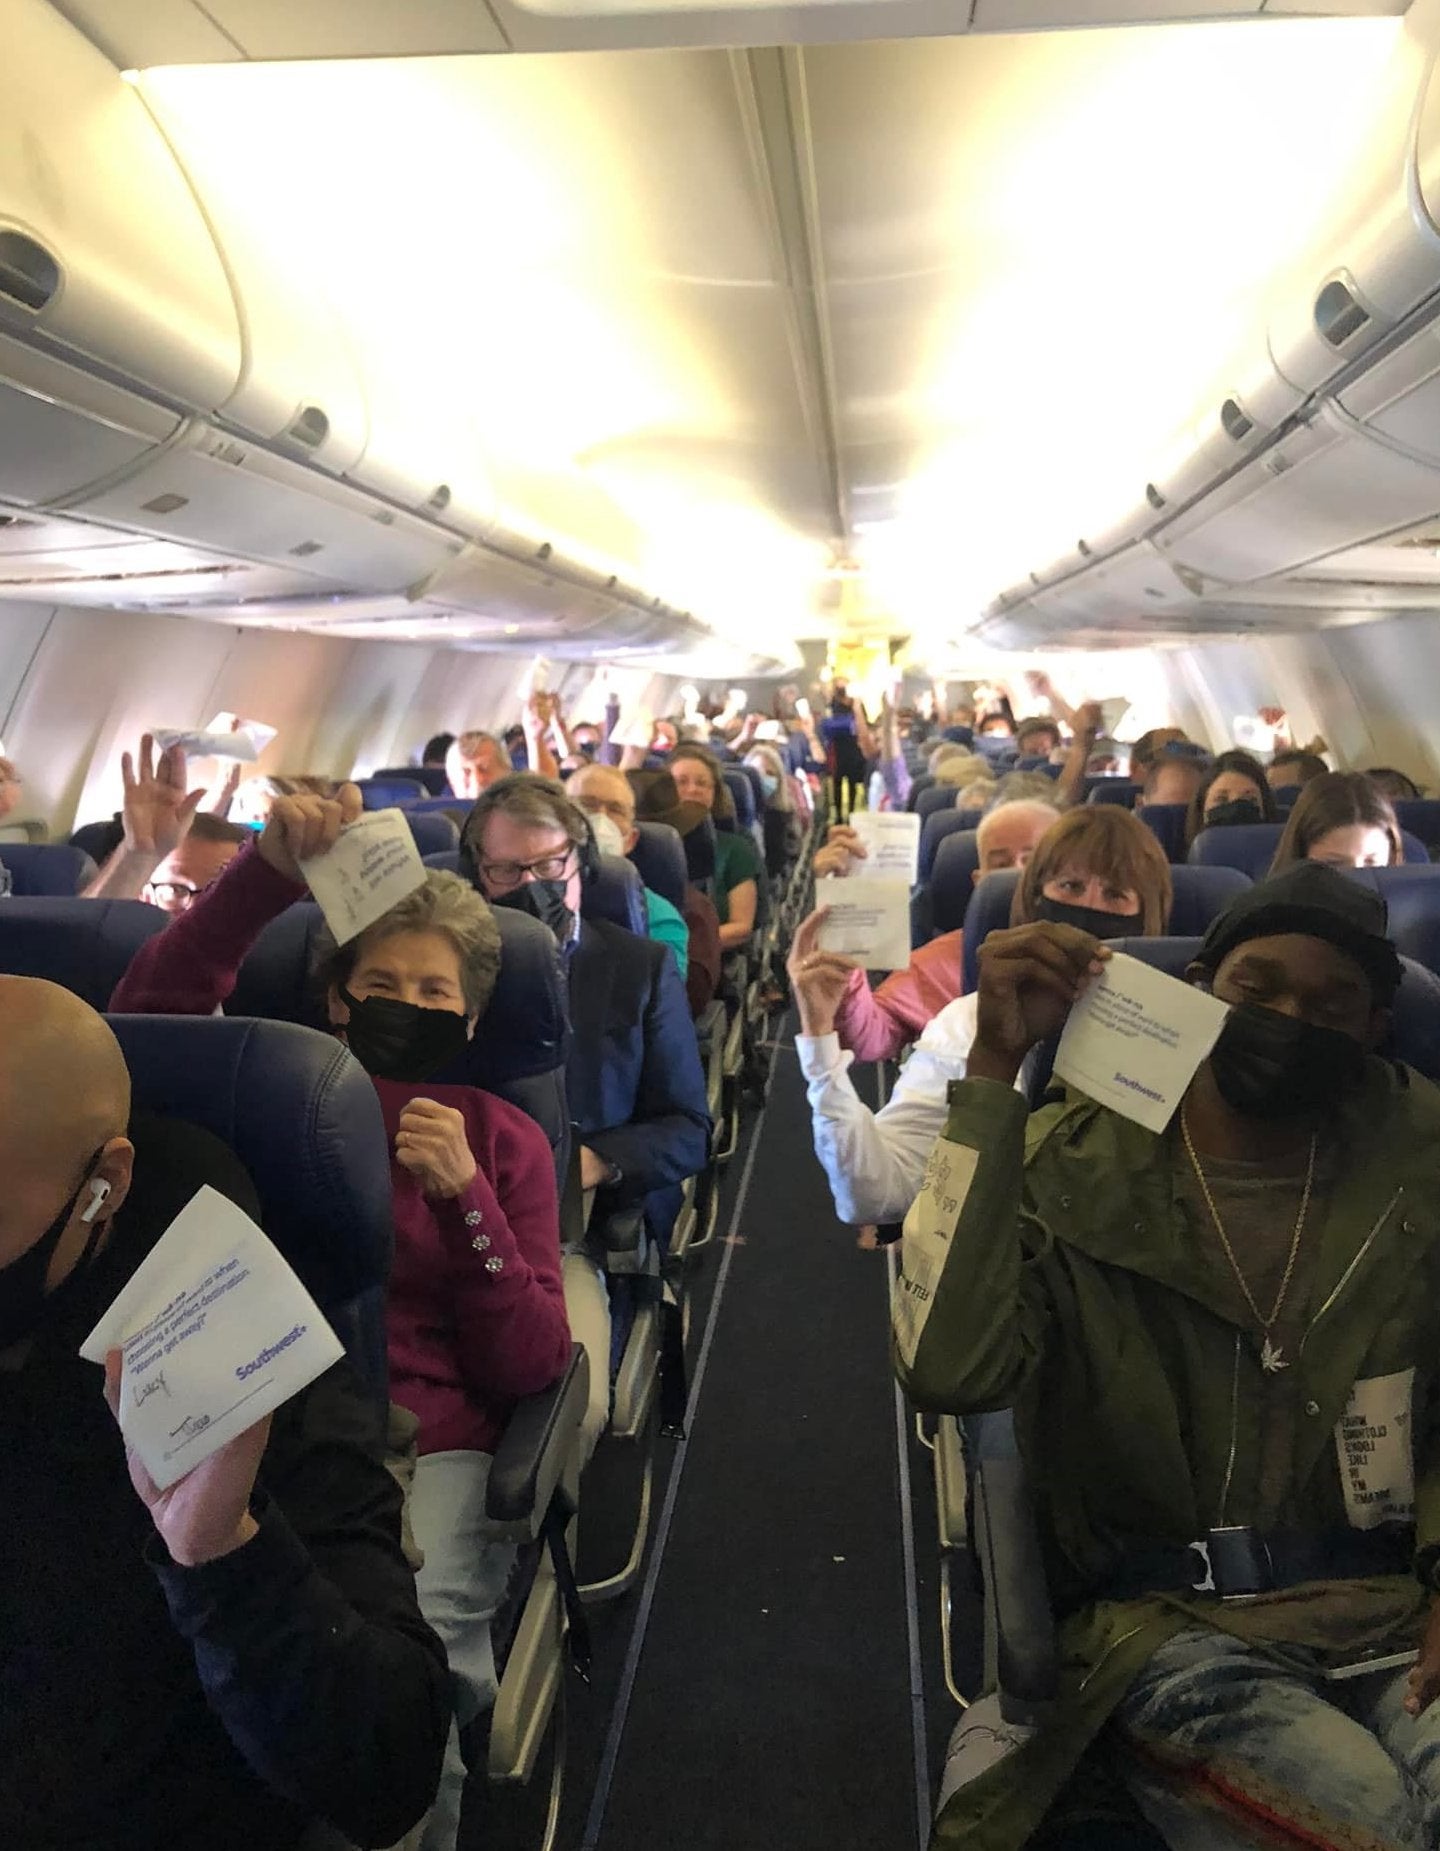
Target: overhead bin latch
column 29, row 276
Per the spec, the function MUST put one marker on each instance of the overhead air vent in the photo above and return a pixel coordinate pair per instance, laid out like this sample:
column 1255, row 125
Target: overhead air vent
column 1084, row 548
column 385, row 516
column 1339, row 313
column 1154, row 497
column 1234, row 421
column 440, row 500
column 306, row 548
column 310, row 428
column 165, row 504
column 545, row 551
column 29, row 275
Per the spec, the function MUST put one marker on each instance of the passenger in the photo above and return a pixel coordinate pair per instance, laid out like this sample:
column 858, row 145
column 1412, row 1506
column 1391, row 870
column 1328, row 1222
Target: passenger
column 1037, row 738
column 784, row 837
column 958, row 767
column 1219, row 1332
column 169, row 850
column 1394, row 784
column 11, row 787
column 1169, row 777
column 1342, row 820
column 845, row 733
column 217, row 1667
column 1293, row 767
column 699, row 779
column 658, row 801
column 636, row 1090
column 995, row 726
column 475, row 1319
column 1149, row 747
column 474, row 762
column 1098, row 867
column 607, row 799
column 435, row 751
column 880, row 1024
column 1233, row 791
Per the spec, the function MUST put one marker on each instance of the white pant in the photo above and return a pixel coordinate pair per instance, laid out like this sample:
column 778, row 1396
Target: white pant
column 461, row 1585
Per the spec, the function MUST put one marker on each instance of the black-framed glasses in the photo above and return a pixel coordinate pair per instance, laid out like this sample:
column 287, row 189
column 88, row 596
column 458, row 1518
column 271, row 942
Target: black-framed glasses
column 503, row 875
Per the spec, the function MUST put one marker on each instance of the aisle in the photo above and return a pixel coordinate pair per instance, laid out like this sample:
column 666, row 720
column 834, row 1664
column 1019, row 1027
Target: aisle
column 770, row 1699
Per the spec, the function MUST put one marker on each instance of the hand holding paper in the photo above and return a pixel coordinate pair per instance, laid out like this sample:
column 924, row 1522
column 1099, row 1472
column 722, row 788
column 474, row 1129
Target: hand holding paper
column 869, row 921
column 372, row 866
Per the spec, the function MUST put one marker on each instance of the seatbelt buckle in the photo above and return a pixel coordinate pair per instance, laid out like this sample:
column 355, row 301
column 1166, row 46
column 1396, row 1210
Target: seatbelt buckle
column 1237, row 1564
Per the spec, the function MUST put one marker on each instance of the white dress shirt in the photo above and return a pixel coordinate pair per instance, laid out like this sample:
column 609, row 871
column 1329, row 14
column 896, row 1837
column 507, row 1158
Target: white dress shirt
column 875, row 1161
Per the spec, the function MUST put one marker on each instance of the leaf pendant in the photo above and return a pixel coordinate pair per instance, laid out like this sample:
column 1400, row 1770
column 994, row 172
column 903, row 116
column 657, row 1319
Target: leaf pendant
column 1271, row 1360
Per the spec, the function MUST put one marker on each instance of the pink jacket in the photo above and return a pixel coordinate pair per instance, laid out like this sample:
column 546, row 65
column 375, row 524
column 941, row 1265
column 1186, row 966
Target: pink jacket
column 880, row 1024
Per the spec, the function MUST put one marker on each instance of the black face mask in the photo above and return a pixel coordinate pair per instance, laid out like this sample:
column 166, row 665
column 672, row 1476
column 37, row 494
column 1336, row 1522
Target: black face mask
column 1269, row 1065
column 545, row 901
column 23, row 1298
column 401, row 1041
column 1088, row 919
column 1238, row 810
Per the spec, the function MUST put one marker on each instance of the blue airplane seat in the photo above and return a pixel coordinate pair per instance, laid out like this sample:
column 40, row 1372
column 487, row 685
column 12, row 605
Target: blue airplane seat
column 1412, row 896
column 1286, row 795
column 958, row 901
column 959, row 735
column 935, row 829
column 1124, row 791
column 447, row 860
column 1421, row 816
column 742, row 795
column 98, row 840
column 939, row 797
column 433, row 834
column 699, row 847
column 616, row 893
column 522, row 1041
column 438, row 806
column 431, row 778
column 46, row 870
column 918, row 788
column 83, row 945
column 659, row 854
column 303, row 1118
column 384, row 793
column 1247, row 846
column 1167, row 821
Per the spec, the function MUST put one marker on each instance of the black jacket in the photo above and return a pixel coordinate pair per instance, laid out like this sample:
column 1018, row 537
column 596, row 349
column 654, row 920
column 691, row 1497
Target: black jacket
column 148, row 1707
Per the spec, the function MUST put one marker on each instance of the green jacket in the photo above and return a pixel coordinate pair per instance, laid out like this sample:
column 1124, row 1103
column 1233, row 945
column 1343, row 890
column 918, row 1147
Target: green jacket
column 1047, row 1267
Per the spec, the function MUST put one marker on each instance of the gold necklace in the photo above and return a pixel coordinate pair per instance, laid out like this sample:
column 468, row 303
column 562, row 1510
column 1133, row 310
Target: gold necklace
column 1271, row 1358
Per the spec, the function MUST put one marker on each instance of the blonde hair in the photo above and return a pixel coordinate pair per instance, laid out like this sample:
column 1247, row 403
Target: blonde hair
column 445, row 905
column 770, row 759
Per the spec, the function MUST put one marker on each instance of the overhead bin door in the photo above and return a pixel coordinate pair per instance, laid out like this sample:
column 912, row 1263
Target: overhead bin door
column 102, row 247
column 1325, row 488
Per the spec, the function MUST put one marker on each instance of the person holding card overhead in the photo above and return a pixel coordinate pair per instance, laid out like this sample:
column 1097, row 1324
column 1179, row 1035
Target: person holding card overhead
column 224, row 1664
column 476, row 1314
column 1221, row 1342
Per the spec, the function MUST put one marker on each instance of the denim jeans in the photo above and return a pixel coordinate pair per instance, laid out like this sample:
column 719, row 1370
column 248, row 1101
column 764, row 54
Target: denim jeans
column 1229, row 1748
column 461, row 1585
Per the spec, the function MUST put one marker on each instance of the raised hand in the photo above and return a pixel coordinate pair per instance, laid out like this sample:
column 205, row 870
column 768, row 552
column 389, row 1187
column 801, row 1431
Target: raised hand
column 818, row 979
column 842, row 847
column 302, row 826
column 157, row 810
column 205, row 1514
column 430, row 1143
column 11, row 785
column 1029, row 978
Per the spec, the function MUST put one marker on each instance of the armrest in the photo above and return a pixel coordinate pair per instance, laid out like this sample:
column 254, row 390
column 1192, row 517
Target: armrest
column 535, row 1448
column 620, row 1236
column 1007, row 1543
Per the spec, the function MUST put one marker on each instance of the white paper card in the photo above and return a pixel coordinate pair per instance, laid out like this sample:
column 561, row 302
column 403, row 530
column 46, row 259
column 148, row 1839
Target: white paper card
column 637, row 731
column 1377, row 1461
column 255, row 731
column 869, row 921
column 1135, row 1039
column 925, row 1242
column 891, row 839
column 373, row 866
column 1112, row 712
column 207, row 745
column 216, row 1332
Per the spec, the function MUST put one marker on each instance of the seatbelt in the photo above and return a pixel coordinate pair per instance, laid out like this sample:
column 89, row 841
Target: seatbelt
column 552, row 1532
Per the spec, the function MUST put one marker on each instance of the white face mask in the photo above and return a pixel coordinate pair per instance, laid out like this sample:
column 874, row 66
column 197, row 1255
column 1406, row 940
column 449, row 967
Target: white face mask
column 608, row 838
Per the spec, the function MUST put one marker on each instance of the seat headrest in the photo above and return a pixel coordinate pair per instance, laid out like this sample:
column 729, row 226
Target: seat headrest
column 923, row 781
column 83, row 945
column 447, row 860
column 1248, row 846
column 742, row 793
column 1412, row 898
column 1200, row 895
column 1421, row 816
column 1166, row 822
column 433, row 834
column 525, row 1030
column 939, row 797
column 303, row 1118
column 700, row 851
column 382, row 793
column 984, row 910
column 40, row 870
column 1124, row 791
column 659, row 854
column 431, row 778
column 616, row 892
column 935, row 829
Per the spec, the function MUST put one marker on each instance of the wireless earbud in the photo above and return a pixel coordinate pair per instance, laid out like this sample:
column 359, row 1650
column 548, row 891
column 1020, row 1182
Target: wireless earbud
column 99, row 1193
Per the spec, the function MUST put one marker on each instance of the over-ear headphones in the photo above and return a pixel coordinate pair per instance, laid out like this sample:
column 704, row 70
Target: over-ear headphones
column 565, row 810
column 99, row 1195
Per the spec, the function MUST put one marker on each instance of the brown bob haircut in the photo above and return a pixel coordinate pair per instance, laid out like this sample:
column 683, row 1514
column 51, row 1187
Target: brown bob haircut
column 1104, row 840
column 722, row 806
column 1337, row 801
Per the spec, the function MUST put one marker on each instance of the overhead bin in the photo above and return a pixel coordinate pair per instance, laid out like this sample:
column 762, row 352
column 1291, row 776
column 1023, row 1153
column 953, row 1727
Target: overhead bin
column 1398, row 398
column 300, row 386
column 104, row 253
column 1325, row 487
column 214, row 489
column 62, row 429
column 1138, row 579
column 1233, row 425
column 1381, row 260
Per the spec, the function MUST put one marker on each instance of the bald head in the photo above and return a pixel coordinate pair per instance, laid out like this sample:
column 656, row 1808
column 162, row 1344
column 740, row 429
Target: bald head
column 1008, row 834
column 603, row 791
column 64, row 1108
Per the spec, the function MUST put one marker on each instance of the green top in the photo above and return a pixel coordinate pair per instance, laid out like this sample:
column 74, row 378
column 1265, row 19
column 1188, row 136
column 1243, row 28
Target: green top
column 737, row 860
column 669, row 927
column 1053, row 1265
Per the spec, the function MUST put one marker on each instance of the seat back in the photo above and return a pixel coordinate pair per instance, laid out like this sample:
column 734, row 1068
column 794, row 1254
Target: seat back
column 1412, row 895
column 303, row 1118
column 742, row 795
column 1124, row 791
column 1286, row 795
column 933, row 831
column 939, row 797
column 431, row 778
column 382, row 793
column 957, row 901
column 699, row 845
column 439, row 806
column 46, row 870
column 1247, row 846
column 925, row 781
column 99, row 840
column 959, row 735
column 659, row 854
column 1166, row 821
column 433, row 834
column 1421, row 816
column 522, row 1043
column 616, row 892
column 83, row 945
column 447, row 860
column 1020, row 1628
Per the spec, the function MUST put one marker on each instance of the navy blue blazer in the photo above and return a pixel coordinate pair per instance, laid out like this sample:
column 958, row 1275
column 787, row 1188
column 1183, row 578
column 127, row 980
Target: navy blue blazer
column 635, row 1084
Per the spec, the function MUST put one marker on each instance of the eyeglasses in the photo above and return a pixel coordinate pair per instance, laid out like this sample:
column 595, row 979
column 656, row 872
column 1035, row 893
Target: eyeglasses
column 503, row 875
column 174, row 893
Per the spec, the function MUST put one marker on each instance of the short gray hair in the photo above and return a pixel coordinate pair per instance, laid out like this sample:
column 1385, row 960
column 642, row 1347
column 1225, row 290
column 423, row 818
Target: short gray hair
column 446, row 905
